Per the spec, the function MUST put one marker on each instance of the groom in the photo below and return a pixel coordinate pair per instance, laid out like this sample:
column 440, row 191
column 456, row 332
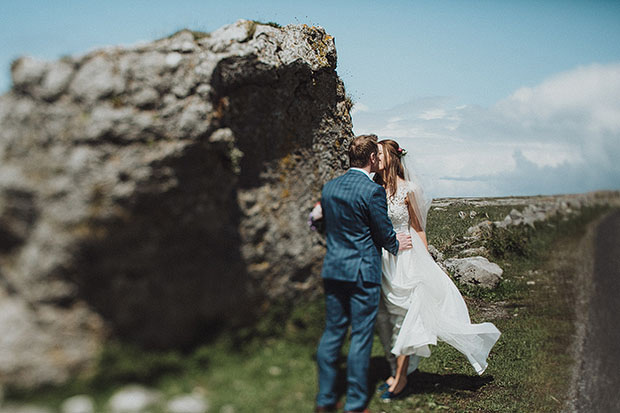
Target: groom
column 357, row 227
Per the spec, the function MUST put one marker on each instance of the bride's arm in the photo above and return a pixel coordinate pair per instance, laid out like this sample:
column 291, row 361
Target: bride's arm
column 413, row 220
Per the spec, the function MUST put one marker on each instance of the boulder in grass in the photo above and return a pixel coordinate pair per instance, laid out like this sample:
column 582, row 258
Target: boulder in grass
column 133, row 399
column 78, row 404
column 477, row 271
column 188, row 403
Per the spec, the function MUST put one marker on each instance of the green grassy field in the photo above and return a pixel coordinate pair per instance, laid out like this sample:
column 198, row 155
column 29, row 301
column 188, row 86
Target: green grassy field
column 270, row 367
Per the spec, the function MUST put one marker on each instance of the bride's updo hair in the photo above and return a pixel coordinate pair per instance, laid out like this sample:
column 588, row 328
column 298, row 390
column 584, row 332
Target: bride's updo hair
column 393, row 167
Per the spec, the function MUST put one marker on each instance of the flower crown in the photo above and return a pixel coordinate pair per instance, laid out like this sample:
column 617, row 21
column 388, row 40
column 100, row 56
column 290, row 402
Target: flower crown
column 401, row 152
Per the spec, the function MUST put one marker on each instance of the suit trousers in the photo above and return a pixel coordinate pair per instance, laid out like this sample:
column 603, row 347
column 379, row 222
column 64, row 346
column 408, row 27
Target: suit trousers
column 352, row 304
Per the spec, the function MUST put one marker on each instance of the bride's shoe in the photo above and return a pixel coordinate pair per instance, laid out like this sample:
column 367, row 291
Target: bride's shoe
column 388, row 395
column 386, row 384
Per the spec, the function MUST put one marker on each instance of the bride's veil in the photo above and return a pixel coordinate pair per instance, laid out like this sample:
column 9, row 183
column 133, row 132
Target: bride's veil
column 418, row 199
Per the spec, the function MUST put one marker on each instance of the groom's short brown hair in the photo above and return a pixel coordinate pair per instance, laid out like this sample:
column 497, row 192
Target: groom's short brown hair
column 361, row 149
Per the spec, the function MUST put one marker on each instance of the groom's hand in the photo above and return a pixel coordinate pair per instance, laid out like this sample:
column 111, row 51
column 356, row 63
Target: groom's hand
column 404, row 241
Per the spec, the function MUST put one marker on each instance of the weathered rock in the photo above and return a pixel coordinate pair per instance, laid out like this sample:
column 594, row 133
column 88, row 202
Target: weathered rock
column 45, row 343
column 158, row 191
column 515, row 215
column 506, row 222
column 477, row 251
column 435, row 253
column 56, row 80
column 47, row 80
column 475, row 271
column 133, row 399
column 78, row 404
column 27, row 73
column 480, row 229
column 98, row 77
column 188, row 403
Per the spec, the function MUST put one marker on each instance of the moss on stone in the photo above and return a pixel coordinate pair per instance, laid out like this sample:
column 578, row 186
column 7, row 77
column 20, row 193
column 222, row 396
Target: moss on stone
column 319, row 42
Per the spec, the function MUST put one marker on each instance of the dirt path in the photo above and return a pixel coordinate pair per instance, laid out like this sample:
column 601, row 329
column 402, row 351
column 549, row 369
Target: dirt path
column 596, row 381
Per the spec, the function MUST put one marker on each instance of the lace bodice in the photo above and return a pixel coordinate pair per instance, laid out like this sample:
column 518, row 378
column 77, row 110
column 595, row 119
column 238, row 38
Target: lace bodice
column 397, row 208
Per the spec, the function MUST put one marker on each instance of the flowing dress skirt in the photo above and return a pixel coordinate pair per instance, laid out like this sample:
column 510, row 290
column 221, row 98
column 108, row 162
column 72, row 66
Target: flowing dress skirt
column 425, row 306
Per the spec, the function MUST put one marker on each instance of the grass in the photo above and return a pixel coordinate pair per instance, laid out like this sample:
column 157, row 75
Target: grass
column 447, row 228
column 270, row 366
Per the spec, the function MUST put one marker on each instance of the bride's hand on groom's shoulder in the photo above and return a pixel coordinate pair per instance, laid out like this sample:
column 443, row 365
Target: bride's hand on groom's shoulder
column 404, row 241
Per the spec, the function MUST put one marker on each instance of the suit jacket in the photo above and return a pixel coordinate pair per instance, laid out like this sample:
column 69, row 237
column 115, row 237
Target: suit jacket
column 356, row 228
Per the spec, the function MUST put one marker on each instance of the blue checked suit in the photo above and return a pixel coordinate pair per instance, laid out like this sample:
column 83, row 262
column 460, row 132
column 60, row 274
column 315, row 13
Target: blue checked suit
column 357, row 227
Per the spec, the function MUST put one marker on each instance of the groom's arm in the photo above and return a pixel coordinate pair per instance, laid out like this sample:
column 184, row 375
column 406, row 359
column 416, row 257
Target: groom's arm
column 380, row 225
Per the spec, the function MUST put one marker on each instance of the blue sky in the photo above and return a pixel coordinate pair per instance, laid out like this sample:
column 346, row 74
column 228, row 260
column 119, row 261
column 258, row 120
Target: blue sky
column 455, row 81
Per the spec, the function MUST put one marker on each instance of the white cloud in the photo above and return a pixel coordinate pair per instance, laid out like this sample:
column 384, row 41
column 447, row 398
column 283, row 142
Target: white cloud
column 528, row 178
column 591, row 94
column 567, row 106
column 562, row 135
column 433, row 114
column 416, row 119
column 551, row 155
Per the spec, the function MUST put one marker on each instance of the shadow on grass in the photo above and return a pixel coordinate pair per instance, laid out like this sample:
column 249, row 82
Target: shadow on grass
column 422, row 382
column 417, row 382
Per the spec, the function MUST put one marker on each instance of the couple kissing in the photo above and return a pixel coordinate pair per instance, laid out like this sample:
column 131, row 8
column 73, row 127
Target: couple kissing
column 377, row 271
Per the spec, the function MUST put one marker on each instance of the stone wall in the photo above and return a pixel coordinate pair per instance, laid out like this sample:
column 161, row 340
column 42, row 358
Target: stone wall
column 155, row 192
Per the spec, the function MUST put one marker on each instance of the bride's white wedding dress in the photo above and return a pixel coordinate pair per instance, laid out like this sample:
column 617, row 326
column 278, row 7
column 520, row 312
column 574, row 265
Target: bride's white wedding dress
column 423, row 303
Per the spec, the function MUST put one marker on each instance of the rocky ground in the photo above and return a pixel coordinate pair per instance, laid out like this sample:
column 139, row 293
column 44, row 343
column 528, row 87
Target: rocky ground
column 471, row 266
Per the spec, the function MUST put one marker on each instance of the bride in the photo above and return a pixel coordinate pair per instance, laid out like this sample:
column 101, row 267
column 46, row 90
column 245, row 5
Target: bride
column 419, row 302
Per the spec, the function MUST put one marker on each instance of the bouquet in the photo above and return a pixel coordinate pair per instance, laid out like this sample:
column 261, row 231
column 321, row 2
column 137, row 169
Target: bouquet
column 315, row 218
